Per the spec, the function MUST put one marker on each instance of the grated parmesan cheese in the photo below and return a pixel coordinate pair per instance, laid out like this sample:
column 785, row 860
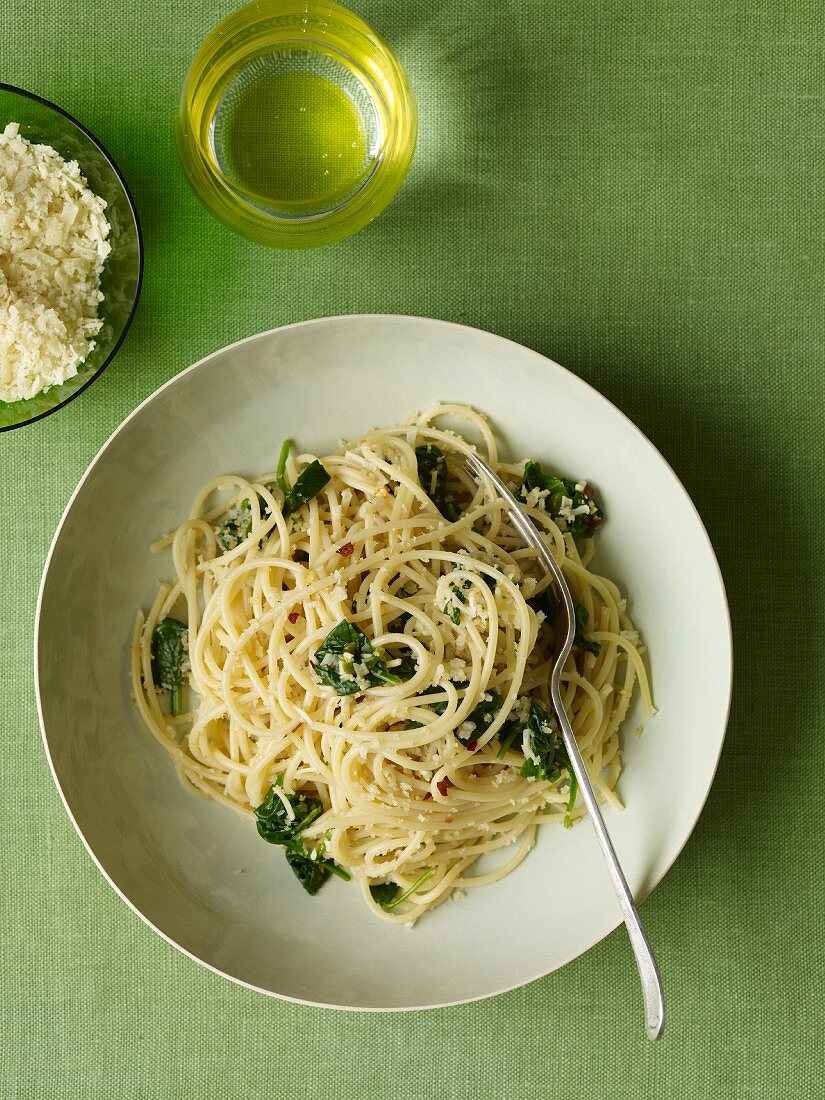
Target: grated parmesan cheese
column 53, row 244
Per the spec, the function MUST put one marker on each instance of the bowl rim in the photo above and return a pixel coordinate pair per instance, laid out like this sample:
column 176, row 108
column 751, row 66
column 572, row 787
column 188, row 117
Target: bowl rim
column 133, row 209
column 366, row 318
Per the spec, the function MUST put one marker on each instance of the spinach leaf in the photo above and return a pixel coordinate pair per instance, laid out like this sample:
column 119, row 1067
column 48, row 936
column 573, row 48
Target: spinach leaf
column 170, row 659
column 274, row 824
column 481, row 716
column 347, row 662
column 276, row 828
column 548, row 747
column 432, row 470
column 582, row 616
column 576, row 510
column 507, row 735
column 311, row 873
column 545, row 601
column 405, row 669
column 383, row 893
column 310, row 482
column 396, row 626
column 386, row 894
column 535, row 478
column 439, row 708
column 432, row 476
column 547, row 753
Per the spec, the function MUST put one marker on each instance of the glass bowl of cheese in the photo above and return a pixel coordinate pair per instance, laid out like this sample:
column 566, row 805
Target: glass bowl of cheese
column 71, row 258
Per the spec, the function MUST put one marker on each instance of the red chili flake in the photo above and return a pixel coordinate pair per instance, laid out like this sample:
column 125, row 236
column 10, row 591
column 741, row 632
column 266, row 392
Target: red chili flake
column 294, row 616
column 592, row 521
column 588, row 492
column 472, row 745
column 448, row 820
column 443, row 784
column 427, row 796
column 346, row 549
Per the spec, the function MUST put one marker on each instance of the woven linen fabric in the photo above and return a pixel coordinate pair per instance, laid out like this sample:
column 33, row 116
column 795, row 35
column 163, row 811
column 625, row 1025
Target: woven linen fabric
column 638, row 191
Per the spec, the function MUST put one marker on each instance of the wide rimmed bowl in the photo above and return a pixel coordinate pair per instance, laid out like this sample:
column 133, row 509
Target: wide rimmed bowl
column 195, row 871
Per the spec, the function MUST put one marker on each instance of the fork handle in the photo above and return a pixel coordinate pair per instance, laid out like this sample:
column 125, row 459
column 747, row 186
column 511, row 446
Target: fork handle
column 645, row 961
column 648, row 971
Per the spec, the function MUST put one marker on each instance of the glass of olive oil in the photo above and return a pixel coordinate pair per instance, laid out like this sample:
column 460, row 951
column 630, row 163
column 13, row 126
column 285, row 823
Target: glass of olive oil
column 297, row 125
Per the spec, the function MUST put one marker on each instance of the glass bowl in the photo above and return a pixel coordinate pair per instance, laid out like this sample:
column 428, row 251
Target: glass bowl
column 297, row 124
column 46, row 123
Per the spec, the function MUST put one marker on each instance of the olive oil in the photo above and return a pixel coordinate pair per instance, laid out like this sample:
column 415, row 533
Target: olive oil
column 295, row 137
column 296, row 125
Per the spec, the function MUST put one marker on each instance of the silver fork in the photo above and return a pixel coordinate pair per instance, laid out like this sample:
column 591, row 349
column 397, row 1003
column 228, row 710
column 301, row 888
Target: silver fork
column 648, row 970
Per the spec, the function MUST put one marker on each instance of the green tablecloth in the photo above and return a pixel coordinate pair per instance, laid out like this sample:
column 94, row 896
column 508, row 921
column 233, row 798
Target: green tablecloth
column 637, row 191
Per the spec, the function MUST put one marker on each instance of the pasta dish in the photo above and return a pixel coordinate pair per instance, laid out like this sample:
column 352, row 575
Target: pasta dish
column 355, row 654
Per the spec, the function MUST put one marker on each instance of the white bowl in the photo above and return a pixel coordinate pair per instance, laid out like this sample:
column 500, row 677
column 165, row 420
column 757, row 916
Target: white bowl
column 196, row 872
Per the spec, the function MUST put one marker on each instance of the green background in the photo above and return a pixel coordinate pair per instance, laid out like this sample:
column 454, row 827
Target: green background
column 635, row 189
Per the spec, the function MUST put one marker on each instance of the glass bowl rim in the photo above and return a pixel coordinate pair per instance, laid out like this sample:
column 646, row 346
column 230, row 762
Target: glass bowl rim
column 15, row 89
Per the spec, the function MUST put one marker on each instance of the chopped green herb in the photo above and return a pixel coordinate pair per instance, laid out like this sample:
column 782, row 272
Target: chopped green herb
column 580, row 640
column 280, row 472
column 170, row 660
column 238, row 524
column 310, row 482
column 576, row 510
column 571, row 798
column 347, row 662
column 457, row 594
column 432, row 476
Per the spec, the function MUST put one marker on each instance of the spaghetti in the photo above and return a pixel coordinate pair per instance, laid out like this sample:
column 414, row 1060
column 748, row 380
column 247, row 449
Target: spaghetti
column 368, row 663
